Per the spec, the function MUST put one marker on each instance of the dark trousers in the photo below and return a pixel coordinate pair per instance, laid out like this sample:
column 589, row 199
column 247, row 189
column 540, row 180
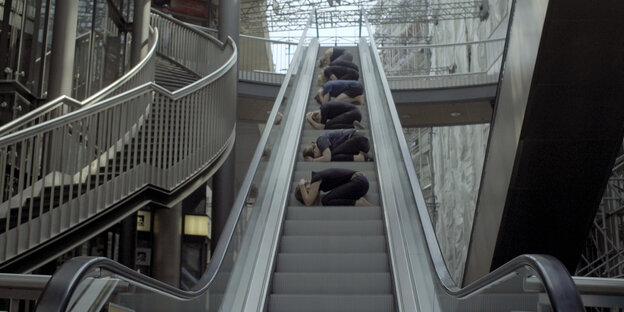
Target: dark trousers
column 348, row 193
column 345, row 151
column 342, row 119
column 350, row 76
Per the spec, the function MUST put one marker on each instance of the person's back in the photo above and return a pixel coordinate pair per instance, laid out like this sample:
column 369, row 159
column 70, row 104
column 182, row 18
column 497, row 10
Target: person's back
column 334, row 138
column 345, row 64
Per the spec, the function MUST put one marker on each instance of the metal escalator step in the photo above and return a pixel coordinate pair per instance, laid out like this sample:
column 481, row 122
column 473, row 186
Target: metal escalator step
column 308, row 167
column 332, row 244
column 332, row 262
column 316, row 133
column 334, row 213
column 359, row 227
column 372, row 197
column 364, row 122
column 332, row 283
column 372, row 184
column 331, row 303
column 367, row 167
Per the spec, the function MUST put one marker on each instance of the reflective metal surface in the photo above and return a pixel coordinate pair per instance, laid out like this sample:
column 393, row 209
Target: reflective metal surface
column 63, row 171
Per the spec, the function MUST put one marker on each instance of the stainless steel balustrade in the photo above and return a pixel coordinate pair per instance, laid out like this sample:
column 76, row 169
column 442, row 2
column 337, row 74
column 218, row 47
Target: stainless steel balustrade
column 407, row 67
column 261, row 59
column 138, row 75
column 422, row 280
column 64, row 171
column 210, row 291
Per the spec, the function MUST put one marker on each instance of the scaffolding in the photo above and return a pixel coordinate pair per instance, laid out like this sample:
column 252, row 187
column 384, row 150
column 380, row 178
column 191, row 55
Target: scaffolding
column 603, row 255
column 290, row 15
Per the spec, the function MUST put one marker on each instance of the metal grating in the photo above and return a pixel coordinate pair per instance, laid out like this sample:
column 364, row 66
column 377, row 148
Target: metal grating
column 279, row 15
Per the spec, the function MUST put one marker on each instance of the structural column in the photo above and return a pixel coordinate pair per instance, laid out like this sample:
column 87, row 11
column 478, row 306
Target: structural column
column 223, row 188
column 229, row 19
column 63, row 48
column 128, row 241
column 167, row 246
column 140, row 30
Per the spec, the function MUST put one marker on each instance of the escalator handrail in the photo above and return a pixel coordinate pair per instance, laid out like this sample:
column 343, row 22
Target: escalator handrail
column 557, row 281
column 58, row 291
column 239, row 203
column 90, row 100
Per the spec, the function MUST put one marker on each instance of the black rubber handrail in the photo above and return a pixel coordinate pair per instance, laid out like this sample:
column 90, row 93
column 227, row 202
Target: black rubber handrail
column 58, row 291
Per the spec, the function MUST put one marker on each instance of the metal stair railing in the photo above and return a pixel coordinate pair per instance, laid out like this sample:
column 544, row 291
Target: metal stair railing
column 210, row 291
column 409, row 221
column 67, row 170
column 141, row 73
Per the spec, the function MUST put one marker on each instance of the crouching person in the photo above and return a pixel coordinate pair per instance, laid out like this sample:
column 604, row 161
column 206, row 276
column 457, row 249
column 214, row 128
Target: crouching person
column 342, row 187
column 338, row 145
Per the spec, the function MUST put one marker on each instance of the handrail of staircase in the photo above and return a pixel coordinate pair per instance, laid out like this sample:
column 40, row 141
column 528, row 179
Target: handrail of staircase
column 93, row 158
column 67, row 103
column 556, row 280
column 59, row 290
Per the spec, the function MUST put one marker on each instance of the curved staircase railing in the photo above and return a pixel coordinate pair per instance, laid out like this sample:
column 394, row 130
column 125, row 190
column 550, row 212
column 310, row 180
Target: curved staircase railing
column 63, row 172
column 141, row 73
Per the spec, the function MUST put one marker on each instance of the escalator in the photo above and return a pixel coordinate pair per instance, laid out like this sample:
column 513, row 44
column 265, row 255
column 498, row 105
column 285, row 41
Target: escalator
column 277, row 255
column 332, row 258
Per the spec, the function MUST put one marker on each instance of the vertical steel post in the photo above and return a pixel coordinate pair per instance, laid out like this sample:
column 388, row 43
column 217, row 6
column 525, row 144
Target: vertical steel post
column 128, row 241
column 167, row 244
column 224, row 189
column 140, row 30
column 63, row 48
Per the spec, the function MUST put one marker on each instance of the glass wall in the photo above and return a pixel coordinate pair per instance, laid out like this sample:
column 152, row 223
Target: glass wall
column 101, row 45
column 26, row 28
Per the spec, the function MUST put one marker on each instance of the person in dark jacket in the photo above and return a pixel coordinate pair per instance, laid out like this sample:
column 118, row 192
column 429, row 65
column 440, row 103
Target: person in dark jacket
column 336, row 115
column 342, row 187
column 337, row 73
column 333, row 54
column 345, row 64
column 342, row 90
column 338, row 145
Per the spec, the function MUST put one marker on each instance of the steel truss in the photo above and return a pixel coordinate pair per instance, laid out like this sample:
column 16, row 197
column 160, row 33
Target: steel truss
column 603, row 255
column 290, row 15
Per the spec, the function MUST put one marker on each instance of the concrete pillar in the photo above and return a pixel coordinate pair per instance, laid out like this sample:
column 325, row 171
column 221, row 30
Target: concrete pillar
column 167, row 247
column 140, row 30
column 63, row 48
column 128, row 241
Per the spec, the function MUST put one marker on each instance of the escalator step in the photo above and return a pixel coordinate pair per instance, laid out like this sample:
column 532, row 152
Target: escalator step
column 367, row 167
column 333, row 213
column 332, row 244
column 332, row 262
column 332, row 283
column 359, row 227
column 372, row 197
column 331, row 303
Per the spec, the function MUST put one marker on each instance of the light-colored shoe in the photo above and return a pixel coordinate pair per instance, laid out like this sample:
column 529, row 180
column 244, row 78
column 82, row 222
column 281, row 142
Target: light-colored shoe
column 357, row 125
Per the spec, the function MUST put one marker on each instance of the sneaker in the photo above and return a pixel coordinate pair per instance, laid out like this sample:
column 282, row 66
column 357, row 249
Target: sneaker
column 357, row 125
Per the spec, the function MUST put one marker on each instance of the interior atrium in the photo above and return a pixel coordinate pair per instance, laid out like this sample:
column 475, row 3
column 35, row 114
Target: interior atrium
column 187, row 155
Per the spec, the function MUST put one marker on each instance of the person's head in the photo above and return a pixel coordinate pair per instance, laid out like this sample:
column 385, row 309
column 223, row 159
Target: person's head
column 323, row 62
column 311, row 150
column 316, row 116
column 317, row 97
column 302, row 184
